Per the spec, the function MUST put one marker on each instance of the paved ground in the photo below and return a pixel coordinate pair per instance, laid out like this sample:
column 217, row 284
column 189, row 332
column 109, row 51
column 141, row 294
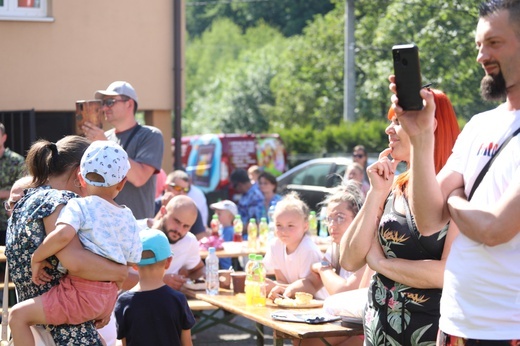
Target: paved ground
column 224, row 335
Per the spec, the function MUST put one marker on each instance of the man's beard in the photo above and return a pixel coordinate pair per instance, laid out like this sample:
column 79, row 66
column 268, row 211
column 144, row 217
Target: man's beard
column 166, row 233
column 493, row 87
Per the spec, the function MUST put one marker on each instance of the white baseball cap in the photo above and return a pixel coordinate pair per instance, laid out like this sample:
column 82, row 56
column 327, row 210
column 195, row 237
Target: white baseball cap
column 107, row 159
column 225, row 205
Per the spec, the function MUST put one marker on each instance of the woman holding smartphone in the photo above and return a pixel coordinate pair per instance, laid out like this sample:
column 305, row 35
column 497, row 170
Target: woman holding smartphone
column 404, row 294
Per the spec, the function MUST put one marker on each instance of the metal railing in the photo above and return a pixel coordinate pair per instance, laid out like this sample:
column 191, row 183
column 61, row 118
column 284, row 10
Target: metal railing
column 20, row 127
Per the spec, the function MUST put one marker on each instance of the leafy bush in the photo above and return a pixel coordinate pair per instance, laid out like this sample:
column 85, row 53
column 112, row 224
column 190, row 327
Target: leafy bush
column 335, row 139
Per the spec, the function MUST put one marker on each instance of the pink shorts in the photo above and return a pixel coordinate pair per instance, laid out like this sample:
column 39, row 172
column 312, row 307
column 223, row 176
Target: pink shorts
column 75, row 300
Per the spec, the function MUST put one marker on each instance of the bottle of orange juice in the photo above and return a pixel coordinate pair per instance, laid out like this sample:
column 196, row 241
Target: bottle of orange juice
column 215, row 225
column 238, row 226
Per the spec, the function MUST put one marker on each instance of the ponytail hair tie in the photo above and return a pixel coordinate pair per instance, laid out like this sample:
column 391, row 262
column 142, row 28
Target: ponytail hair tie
column 54, row 152
column 53, row 147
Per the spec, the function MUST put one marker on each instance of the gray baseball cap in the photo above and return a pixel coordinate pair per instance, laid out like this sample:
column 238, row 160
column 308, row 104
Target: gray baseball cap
column 118, row 88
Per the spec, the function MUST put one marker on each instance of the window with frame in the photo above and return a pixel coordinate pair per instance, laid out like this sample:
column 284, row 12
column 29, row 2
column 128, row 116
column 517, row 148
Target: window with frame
column 23, row 9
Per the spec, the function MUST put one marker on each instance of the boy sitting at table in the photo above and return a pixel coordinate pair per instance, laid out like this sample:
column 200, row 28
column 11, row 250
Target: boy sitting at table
column 226, row 211
column 152, row 313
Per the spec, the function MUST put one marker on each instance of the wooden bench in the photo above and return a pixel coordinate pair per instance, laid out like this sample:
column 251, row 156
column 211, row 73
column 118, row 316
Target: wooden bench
column 206, row 315
column 200, row 305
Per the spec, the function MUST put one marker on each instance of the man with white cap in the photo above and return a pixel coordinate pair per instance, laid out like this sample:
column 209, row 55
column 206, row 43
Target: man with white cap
column 103, row 227
column 144, row 145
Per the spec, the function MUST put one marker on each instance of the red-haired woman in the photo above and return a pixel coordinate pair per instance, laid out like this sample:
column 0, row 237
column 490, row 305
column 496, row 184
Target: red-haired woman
column 404, row 295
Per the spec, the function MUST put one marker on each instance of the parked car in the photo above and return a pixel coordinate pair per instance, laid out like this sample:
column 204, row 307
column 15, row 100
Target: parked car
column 312, row 179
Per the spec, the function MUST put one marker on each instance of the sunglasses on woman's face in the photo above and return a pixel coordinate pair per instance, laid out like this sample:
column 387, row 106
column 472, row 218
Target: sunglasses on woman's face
column 179, row 188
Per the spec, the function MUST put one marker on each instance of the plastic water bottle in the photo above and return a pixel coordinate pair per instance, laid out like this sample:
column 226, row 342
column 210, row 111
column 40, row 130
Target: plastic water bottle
column 212, row 282
column 271, row 226
column 238, row 227
column 270, row 213
column 313, row 223
column 263, row 229
column 252, row 234
column 248, row 288
column 214, row 225
column 259, row 275
column 323, row 233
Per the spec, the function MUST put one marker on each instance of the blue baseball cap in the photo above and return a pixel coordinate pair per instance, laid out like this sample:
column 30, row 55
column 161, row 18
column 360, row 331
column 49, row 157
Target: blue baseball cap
column 155, row 241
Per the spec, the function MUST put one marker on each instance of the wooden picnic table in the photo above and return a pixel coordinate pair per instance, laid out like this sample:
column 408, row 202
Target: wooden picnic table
column 261, row 315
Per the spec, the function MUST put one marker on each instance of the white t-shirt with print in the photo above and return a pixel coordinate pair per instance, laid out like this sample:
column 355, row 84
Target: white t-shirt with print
column 481, row 295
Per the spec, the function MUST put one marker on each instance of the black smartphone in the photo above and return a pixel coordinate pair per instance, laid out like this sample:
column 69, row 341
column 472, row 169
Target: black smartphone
column 407, row 73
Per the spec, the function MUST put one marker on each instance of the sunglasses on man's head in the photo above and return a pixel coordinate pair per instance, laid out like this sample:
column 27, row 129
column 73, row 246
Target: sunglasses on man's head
column 111, row 102
column 359, row 156
column 179, row 188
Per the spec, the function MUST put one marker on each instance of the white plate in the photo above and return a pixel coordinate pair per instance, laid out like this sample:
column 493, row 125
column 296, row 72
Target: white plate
column 199, row 286
column 291, row 303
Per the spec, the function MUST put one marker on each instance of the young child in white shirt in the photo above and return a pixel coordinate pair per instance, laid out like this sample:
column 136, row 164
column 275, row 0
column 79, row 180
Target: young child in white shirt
column 292, row 252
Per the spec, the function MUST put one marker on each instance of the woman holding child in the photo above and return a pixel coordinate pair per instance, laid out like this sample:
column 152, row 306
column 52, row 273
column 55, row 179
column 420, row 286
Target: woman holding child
column 54, row 168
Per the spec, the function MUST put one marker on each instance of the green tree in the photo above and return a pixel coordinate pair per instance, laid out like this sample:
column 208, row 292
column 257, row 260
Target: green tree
column 444, row 33
column 288, row 16
column 309, row 88
column 234, row 97
column 309, row 85
column 257, row 80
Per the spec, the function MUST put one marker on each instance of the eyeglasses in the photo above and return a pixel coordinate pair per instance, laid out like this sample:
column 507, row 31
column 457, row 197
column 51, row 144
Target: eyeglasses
column 359, row 156
column 111, row 102
column 179, row 188
column 338, row 219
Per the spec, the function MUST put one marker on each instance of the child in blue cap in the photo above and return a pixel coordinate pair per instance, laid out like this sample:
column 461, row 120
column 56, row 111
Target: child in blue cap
column 152, row 313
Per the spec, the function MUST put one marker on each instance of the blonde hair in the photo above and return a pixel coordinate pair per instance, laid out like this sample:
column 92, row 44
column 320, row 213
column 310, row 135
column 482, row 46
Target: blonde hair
column 292, row 201
column 347, row 192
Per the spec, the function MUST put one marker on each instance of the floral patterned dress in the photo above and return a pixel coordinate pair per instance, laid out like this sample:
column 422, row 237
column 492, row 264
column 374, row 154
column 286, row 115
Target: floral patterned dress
column 397, row 314
column 25, row 233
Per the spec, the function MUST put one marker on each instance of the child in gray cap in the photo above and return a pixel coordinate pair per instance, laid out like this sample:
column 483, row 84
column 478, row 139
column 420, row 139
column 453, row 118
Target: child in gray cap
column 103, row 227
